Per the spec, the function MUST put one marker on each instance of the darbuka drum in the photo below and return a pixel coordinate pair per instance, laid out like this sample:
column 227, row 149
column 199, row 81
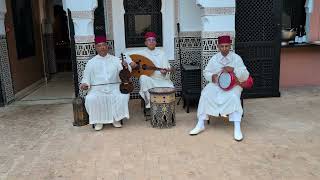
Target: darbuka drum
column 162, row 101
column 227, row 80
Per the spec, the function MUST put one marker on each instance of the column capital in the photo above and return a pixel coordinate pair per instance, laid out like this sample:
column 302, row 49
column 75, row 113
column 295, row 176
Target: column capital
column 83, row 17
column 216, row 3
column 74, row 5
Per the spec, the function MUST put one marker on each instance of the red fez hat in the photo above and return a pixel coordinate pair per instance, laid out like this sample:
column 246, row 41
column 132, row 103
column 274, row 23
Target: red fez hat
column 150, row 34
column 224, row 40
column 100, row 39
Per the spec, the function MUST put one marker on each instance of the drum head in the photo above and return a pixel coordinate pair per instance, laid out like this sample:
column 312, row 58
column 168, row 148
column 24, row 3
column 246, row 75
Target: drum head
column 162, row 90
column 224, row 80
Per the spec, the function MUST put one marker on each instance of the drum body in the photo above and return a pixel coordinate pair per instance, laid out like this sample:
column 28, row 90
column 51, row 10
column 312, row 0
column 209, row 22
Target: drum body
column 162, row 101
column 227, row 80
column 80, row 114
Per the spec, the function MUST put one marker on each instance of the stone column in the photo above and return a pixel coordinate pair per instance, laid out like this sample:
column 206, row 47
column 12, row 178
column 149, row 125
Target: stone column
column 48, row 37
column 5, row 73
column 218, row 18
column 82, row 15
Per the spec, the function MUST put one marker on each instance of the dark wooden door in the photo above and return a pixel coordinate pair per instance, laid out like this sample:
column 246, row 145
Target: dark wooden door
column 24, row 43
column 258, row 33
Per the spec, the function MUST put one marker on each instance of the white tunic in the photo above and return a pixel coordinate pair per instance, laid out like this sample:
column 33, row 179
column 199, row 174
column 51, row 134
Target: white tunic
column 105, row 103
column 157, row 79
column 214, row 100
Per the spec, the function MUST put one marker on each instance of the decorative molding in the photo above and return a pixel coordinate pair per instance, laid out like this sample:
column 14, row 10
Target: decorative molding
column 82, row 14
column 206, row 34
column 110, row 44
column 218, row 11
column 190, row 54
column 5, row 73
column 84, row 39
column 190, row 34
column 81, row 64
column 85, row 51
column 2, row 14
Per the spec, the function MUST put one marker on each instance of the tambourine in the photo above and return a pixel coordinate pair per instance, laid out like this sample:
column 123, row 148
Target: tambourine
column 227, row 80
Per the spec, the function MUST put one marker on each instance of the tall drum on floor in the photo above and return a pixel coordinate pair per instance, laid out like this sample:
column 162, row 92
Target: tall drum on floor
column 162, row 107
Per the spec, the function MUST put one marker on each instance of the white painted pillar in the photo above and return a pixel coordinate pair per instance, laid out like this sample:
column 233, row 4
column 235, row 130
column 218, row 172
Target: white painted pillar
column 83, row 17
column 309, row 8
column 3, row 11
column 5, row 73
column 218, row 18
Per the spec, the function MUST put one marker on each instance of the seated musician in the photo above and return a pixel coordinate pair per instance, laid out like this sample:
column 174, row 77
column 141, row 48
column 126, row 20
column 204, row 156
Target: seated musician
column 104, row 102
column 215, row 101
column 159, row 78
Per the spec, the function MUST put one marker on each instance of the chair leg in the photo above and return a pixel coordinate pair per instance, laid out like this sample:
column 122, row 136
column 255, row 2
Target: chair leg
column 188, row 104
column 242, row 106
column 184, row 102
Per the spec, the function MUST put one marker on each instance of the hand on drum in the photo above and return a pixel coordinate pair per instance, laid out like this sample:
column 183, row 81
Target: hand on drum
column 227, row 69
column 84, row 86
column 215, row 78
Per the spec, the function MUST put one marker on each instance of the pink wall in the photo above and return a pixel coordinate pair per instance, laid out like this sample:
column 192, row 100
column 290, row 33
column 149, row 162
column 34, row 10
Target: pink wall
column 300, row 66
column 315, row 22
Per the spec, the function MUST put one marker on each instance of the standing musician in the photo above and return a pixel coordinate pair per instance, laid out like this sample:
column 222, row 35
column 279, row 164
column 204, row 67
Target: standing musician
column 215, row 101
column 104, row 103
column 159, row 78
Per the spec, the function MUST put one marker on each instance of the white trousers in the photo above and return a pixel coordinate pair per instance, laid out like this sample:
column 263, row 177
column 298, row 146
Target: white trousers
column 233, row 117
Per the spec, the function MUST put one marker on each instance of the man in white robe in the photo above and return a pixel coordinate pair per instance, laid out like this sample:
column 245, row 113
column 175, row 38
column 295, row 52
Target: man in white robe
column 104, row 102
column 158, row 78
column 215, row 101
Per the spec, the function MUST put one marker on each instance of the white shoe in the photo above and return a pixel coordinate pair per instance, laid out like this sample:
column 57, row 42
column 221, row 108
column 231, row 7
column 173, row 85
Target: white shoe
column 237, row 132
column 116, row 124
column 196, row 130
column 98, row 126
column 238, row 136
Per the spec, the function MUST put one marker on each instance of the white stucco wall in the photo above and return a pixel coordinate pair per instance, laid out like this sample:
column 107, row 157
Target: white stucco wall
column 3, row 10
column 215, row 20
column 168, row 27
column 218, row 23
column 189, row 16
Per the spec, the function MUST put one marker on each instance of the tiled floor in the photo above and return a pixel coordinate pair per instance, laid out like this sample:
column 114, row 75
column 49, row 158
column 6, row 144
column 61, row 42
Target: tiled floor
column 58, row 89
column 282, row 141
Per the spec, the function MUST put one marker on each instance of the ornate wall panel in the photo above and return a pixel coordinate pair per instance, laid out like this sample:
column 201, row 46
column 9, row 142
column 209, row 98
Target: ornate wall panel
column 5, row 73
column 258, row 43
